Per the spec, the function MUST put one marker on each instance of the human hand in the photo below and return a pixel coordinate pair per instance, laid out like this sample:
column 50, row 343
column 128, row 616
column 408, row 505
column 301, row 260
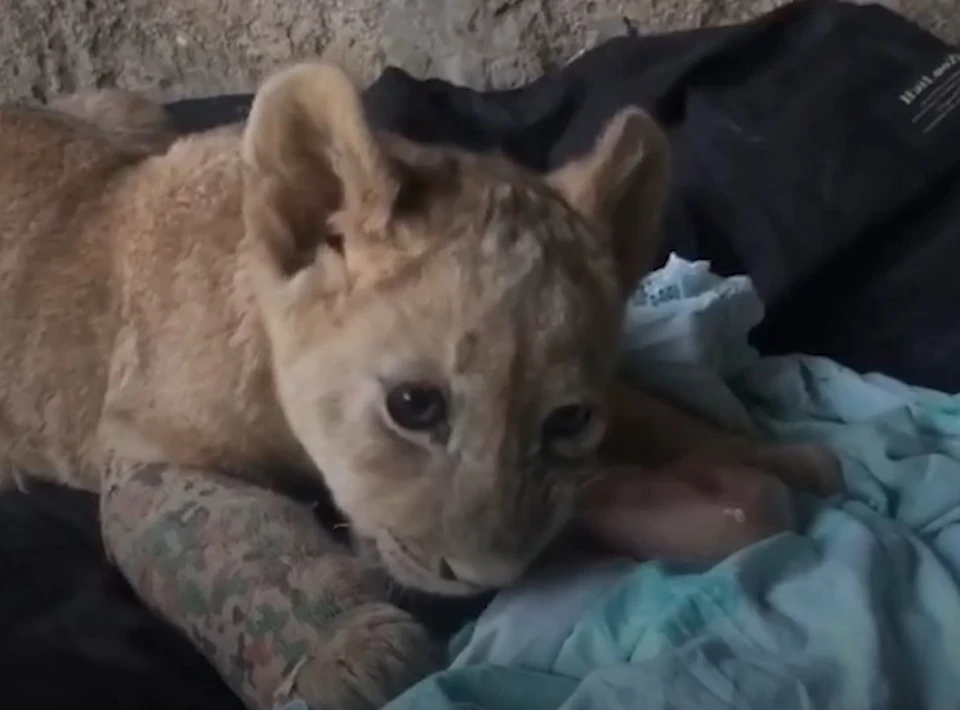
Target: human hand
column 694, row 510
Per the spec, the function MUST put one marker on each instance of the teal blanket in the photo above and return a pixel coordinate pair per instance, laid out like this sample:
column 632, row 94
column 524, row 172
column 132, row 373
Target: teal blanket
column 859, row 609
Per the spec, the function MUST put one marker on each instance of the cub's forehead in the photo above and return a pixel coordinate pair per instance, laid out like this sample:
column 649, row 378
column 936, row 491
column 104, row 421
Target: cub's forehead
column 500, row 301
column 533, row 252
column 506, row 219
column 524, row 304
column 506, row 269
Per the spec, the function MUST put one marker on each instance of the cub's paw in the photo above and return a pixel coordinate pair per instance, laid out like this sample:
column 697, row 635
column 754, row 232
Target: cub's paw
column 376, row 652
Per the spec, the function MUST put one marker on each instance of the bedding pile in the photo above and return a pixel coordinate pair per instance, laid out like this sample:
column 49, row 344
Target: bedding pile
column 815, row 209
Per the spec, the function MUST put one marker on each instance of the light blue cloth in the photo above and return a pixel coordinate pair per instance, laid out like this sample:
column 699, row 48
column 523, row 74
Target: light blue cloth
column 860, row 610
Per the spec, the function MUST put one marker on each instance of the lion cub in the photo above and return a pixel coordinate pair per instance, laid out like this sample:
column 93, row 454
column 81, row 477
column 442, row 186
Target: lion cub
column 431, row 333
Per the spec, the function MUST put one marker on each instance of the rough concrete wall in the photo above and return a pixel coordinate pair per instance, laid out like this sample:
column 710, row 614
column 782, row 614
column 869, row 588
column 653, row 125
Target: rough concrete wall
column 195, row 47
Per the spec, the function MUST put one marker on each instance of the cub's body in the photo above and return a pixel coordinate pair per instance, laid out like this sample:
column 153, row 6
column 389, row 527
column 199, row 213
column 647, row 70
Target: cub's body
column 125, row 310
column 429, row 333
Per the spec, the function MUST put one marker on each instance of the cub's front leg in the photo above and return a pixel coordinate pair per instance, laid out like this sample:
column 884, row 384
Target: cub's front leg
column 281, row 610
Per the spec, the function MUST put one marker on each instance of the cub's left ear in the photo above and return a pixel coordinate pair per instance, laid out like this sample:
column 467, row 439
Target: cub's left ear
column 620, row 186
column 312, row 159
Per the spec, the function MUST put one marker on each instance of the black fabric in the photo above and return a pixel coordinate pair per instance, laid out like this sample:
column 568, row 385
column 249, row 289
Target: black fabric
column 797, row 160
column 72, row 635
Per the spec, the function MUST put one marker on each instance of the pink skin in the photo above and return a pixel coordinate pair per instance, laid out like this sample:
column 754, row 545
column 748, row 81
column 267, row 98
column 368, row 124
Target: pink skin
column 694, row 510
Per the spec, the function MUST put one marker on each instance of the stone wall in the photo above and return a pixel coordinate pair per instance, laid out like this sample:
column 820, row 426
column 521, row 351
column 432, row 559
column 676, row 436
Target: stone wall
column 178, row 48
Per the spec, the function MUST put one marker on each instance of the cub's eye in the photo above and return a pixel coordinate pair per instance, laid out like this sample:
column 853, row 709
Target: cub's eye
column 567, row 422
column 416, row 406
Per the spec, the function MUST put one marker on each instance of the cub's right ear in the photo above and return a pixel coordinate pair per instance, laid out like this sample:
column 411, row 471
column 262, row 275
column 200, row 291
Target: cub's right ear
column 311, row 161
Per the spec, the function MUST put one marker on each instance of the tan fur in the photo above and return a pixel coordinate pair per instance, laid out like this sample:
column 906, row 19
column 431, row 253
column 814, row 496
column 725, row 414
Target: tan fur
column 133, row 123
column 239, row 301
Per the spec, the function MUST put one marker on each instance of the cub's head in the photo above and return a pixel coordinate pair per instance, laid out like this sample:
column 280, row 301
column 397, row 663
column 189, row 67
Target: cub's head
column 443, row 326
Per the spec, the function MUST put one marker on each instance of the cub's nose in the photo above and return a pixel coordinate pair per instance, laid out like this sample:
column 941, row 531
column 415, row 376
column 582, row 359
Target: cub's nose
column 489, row 573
